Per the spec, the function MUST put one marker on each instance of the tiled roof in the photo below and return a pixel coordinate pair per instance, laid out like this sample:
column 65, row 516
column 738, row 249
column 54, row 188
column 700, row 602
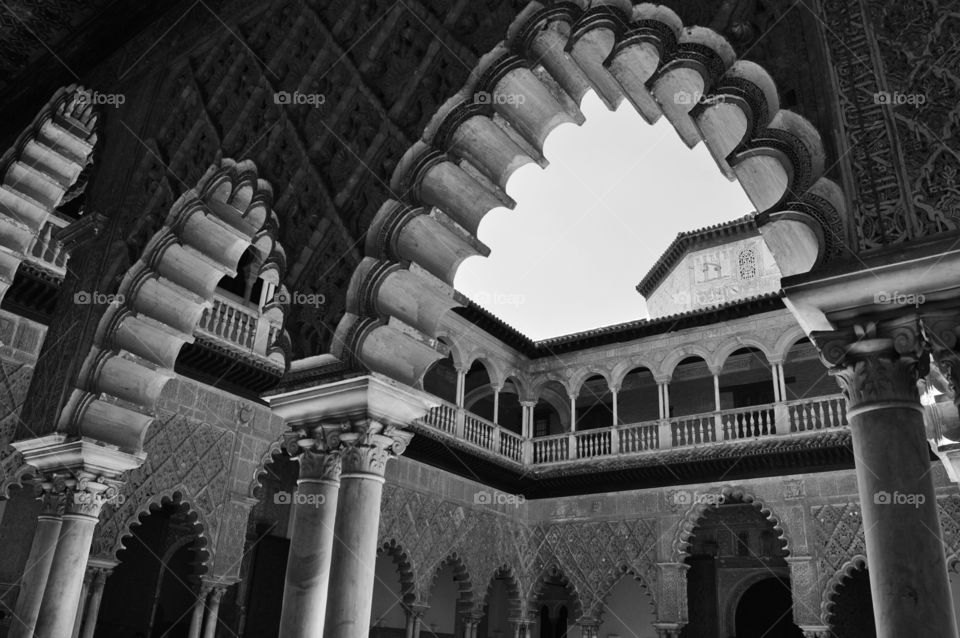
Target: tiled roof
column 685, row 241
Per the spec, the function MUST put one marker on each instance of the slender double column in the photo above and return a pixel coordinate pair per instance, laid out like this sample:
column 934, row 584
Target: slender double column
column 415, row 620
column 878, row 367
column 37, row 570
column 311, row 542
column 84, row 497
column 98, row 580
column 364, row 456
column 199, row 606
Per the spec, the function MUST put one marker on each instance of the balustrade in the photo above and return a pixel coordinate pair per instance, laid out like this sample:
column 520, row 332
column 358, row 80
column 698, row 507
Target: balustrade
column 46, row 251
column 780, row 419
column 817, row 413
column 231, row 321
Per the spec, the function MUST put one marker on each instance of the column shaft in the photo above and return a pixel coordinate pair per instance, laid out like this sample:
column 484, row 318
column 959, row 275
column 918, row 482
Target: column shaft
column 93, row 606
column 716, row 391
column 58, row 611
column 35, row 575
column 213, row 613
column 907, row 565
column 82, row 606
column 196, row 616
column 311, row 546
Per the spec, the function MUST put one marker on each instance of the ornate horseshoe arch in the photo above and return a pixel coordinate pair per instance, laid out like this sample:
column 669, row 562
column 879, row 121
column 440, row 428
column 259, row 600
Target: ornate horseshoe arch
column 446, row 183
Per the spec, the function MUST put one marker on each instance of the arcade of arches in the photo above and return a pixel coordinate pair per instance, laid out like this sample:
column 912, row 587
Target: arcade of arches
column 240, row 397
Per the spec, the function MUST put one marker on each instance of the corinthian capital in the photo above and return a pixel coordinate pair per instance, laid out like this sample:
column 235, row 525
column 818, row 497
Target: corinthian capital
column 877, row 365
column 81, row 494
column 317, row 449
column 368, row 451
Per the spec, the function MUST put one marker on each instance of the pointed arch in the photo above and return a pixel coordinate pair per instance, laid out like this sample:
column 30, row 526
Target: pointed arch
column 160, row 302
column 470, row 148
column 39, row 171
column 690, row 520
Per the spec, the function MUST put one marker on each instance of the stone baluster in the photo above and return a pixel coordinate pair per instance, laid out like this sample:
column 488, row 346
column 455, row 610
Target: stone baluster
column 878, row 367
column 311, row 543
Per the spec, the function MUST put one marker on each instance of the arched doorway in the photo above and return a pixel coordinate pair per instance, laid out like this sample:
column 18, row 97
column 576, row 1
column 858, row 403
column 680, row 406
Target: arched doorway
column 627, row 610
column 766, row 611
column 851, row 615
column 555, row 605
column 732, row 543
column 502, row 604
column 152, row 591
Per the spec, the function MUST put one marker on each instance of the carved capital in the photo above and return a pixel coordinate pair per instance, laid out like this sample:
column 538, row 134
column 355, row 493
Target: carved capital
column 79, row 494
column 877, row 366
column 815, row 631
column 367, row 452
column 316, row 465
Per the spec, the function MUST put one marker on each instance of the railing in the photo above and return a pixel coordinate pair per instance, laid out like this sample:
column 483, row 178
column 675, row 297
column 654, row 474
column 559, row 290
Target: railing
column 46, row 251
column 817, row 413
column 639, row 437
column 231, row 321
column 550, row 449
column 750, row 423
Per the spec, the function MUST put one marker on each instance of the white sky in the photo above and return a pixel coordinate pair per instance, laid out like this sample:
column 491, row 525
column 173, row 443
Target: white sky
column 588, row 228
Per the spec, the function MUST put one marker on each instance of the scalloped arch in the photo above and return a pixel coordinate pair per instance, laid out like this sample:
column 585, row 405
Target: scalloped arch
column 858, row 561
column 471, row 147
column 461, row 577
column 40, row 168
column 617, row 573
column 256, row 482
column 160, row 302
column 405, row 569
column 146, row 508
column 515, row 601
column 690, row 520
column 536, row 588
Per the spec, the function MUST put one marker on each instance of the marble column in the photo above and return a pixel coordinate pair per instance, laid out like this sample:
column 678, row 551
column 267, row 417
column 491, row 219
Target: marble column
column 461, row 386
column 415, row 620
column 496, row 405
column 84, row 596
column 878, row 366
column 93, row 604
column 364, row 455
column 199, row 606
column 311, row 543
column 85, row 495
column 213, row 611
column 37, row 569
